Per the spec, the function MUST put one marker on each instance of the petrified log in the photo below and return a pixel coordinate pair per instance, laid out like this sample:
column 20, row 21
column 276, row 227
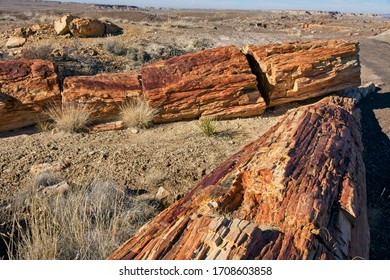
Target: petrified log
column 27, row 87
column 217, row 82
column 118, row 125
column 298, row 71
column 101, row 94
column 298, row 192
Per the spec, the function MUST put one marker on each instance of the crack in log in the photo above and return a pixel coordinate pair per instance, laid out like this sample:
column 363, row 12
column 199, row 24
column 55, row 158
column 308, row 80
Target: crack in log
column 262, row 82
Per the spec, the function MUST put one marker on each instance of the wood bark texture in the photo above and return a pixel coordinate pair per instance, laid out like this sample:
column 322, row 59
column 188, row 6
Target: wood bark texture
column 27, row 88
column 298, row 192
column 102, row 94
column 217, row 82
column 301, row 70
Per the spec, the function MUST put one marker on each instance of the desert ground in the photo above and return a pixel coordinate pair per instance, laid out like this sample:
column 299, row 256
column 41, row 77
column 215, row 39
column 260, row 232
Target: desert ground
column 176, row 155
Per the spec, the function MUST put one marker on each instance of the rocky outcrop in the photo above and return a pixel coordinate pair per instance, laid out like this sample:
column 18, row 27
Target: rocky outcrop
column 26, row 88
column 61, row 25
column 217, row 82
column 298, row 192
column 83, row 27
column 298, row 71
column 103, row 93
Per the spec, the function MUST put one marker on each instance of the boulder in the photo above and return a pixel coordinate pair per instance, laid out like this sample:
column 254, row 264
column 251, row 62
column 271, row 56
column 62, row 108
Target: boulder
column 298, row 192
column 61, row 25
column 103, row 93
column 217, row 82
column 298, row 71
column 15, row 41
column 82, row 27
column 27, row 87
column 111, row 28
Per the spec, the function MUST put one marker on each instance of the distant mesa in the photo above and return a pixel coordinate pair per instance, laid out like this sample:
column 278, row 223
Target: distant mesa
column 84, row 27
column 116, row 7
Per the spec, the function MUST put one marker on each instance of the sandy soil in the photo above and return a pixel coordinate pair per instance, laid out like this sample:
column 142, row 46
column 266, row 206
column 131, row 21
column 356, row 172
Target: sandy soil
column 175, row 156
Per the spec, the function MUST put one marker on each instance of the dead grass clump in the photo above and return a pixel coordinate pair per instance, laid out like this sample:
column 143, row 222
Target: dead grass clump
column 114, row 47
column 208, row 125
column 44, row 125
column 38, row 52
column 69, row 118
column 137, row 113
column 46, row 179
column 86, row 223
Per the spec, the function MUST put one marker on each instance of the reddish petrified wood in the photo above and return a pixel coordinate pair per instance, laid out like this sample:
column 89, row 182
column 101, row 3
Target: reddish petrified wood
column 298, row 71
column 103, row 93
column 217, row 82
column 27, row 87
column 110, row 126
column 298, row 192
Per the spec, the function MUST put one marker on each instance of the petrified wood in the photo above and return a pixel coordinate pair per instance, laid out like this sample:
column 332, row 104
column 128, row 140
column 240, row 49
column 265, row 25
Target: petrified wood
column 101, row 94
column 27, row 87
column 298, row 71
column 217, row 82
column 298, row 192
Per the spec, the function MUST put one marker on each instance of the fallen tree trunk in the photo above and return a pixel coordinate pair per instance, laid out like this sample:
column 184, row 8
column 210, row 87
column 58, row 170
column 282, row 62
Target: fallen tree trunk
column 298, row 192
column 27, row 89
column 216, row 82
column 301, row 70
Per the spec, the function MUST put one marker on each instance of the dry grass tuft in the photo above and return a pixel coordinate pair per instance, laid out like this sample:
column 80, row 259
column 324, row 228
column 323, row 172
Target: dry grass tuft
column 137, row 114
column 85, row 223
column 42, row 51
column 114, row 47
column 69, row 118
column 44, row 125
column 208, row 125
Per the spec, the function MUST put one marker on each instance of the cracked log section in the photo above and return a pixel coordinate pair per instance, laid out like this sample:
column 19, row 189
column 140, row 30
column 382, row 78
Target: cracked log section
column 27, row 87
column 298, row 71
column 101, row 94
column 217, row 82
column 298, row 192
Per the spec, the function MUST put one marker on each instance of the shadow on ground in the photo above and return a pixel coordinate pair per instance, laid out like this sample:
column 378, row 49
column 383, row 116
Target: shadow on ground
column 377, row 160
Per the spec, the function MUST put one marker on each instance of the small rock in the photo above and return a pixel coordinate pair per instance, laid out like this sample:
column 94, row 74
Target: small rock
column 162, row 194
column 54, row 131
column 14, row 42
column 134, row 130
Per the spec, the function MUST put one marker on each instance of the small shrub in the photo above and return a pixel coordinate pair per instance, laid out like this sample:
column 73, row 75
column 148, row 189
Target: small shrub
column 43, row 51
column 208, row 125
column 114, row 47
column 137, row 114
column 69, row 118
column 44, row 125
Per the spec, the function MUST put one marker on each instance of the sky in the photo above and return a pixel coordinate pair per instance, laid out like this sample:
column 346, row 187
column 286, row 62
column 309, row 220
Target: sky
column 360, row 6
